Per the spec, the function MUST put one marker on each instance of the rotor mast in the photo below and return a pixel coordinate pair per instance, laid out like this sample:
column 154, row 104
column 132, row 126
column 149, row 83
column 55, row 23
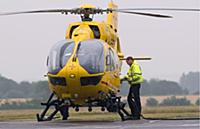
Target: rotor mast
column 87, row 15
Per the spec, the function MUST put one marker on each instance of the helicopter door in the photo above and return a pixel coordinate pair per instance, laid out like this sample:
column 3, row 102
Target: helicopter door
column 112, row 69
column 59, row 55
column 110, row 60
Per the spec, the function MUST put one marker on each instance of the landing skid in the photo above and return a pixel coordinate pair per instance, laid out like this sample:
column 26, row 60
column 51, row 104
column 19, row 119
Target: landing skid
column 113, row 104
column 58, row 105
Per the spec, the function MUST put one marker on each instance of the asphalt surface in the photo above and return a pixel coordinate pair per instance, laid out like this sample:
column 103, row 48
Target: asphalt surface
column 139, row 124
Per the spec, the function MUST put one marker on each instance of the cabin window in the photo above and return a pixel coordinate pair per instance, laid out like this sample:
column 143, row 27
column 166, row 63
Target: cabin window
column 59, row 55
column 72, row 30
column 110, row 60
column 116, row 60
column 91, row 56
column 96, row 31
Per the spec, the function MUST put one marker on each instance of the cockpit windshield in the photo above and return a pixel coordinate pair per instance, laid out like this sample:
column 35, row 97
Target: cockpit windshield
column 59, row 55
column 91, row 56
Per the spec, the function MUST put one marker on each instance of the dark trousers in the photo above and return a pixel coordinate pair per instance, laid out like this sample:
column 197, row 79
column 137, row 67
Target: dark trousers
column 134, row 100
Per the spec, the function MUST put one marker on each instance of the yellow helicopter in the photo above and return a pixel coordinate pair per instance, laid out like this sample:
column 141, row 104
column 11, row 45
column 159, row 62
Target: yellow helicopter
column 84, row 69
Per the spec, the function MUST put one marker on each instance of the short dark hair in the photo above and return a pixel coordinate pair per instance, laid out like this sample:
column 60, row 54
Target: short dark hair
column 129, row 58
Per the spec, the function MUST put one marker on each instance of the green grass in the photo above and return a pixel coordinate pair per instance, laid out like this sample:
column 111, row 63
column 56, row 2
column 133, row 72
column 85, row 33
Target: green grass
column 97, row 115
column 18, row 115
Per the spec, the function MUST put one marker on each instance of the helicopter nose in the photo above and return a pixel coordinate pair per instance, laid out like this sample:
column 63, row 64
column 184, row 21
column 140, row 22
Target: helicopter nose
column 72, row 70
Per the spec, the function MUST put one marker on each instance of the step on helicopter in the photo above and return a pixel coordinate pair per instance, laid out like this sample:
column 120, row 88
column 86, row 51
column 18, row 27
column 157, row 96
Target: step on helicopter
column 84, row 69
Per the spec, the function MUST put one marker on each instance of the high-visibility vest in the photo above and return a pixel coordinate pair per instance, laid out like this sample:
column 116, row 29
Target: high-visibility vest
column 134, row 75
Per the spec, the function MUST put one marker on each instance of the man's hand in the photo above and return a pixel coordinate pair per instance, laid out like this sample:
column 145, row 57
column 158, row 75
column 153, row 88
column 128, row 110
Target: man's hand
column 125, row 78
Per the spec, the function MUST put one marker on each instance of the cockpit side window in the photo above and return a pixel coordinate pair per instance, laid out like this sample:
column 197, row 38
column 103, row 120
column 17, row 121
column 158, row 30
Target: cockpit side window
column 116, row 60
column 59, row 55
column 110, row 60
column 91, row 56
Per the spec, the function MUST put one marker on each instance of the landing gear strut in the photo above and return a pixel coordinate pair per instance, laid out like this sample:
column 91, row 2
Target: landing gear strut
column 121, row 109
column 112, row 104
column 59, row 106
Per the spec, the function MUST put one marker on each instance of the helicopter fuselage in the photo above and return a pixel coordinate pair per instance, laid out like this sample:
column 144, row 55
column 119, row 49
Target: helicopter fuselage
column 91, row 65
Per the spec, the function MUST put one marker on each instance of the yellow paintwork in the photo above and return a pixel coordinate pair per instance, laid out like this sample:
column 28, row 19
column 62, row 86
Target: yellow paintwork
column 81, row 33
column 72, row 71
column 112, row 18
column 88, row 6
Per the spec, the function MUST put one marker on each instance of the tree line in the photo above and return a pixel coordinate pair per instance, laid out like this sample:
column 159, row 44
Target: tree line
column 171, row 101
column 188, row 84
column 11, row 89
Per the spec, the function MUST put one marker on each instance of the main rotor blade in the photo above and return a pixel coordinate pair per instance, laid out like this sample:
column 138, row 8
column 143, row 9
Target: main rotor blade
column 159, row 9
column 63, row 11
column 144, row 14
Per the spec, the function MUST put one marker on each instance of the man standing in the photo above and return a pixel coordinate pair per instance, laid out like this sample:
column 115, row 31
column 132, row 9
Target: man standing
column 134, row 77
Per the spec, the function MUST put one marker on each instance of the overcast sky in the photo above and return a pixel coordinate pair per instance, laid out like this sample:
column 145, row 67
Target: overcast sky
column 173, row 44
